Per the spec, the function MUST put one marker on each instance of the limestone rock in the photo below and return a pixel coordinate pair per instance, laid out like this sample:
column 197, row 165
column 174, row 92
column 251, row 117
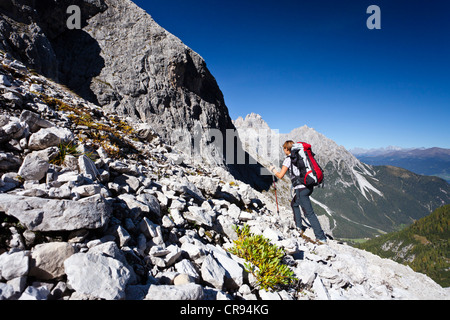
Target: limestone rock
column 47, row 260
column 49, row 137
column 182, row 292
column 234, row 275
column 36, row 164
column 144, row 196
column 87, row 167
column 199, row 215
column 8, row 161
column 34, row 121
column 97, row 275
column 213, row 273
column 35, row 293
column 166, row 63
column 14, row 263
column 39, row 214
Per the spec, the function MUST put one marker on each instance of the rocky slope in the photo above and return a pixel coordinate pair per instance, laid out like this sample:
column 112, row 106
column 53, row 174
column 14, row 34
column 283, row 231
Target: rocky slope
column 97, row 206
column 125, row 62
column 358, row 200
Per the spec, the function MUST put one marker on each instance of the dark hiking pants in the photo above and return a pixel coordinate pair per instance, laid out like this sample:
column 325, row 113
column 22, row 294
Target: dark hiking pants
column 301, row 200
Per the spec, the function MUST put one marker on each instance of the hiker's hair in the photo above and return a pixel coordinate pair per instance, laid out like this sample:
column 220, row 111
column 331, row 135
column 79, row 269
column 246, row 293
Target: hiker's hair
column 288, row 145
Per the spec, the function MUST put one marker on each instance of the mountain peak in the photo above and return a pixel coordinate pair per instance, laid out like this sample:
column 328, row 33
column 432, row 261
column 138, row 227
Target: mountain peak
column 252, row 120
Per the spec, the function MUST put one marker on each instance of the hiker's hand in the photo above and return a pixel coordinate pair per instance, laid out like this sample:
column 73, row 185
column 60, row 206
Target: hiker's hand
column 272, row 169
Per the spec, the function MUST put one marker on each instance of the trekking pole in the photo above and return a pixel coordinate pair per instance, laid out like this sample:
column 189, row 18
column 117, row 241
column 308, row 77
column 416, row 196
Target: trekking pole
column 276, row 197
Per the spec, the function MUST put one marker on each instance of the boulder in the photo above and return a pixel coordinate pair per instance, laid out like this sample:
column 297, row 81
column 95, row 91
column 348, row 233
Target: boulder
column 182, row 279
column 9, row 161
column 87, row 190
column 213, row 273
column 150, row 229
column 15, row 129
column 186, row 267
column 49, row 137
column 96, row 275
column 14, row 263
column 34, row 167
column 87, row 167
column 195, row 252
column 199, row 215
column 110, row 249
column 207, row 184
column 39, row 214
column 34, row 121
column 234, row 275
column 152, row 203
column 128, row 180
column 173, row 255
column 47, row 259
column 13, row 98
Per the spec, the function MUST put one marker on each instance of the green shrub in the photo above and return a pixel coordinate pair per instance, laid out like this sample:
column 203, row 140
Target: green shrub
column 264, row 259
column 65, row 148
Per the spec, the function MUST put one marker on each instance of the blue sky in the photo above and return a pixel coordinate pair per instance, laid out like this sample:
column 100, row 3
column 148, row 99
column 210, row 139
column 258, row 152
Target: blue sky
column 316, row 63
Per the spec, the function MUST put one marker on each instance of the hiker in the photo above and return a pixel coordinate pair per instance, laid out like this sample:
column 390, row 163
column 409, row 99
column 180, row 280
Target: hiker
column 302, row 193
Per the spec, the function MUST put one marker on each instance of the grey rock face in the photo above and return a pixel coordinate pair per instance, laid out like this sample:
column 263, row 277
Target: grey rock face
column 150, row 74
column 28, row 29
column 153, row 75
column 40, row 214
column 28, row 43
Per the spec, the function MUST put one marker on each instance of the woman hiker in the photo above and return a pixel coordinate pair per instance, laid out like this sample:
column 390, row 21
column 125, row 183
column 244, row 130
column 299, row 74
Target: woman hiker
column 301, row 198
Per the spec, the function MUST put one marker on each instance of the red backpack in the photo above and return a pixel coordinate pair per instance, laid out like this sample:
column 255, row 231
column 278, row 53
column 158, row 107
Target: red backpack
column 311, row 174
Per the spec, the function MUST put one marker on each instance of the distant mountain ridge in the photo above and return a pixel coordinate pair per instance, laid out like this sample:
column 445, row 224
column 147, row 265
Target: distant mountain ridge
column 376, row 151
column 427, row 161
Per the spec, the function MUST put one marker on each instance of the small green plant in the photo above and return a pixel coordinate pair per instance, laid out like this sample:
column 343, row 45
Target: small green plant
column 264, row 260
column 65, row 148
